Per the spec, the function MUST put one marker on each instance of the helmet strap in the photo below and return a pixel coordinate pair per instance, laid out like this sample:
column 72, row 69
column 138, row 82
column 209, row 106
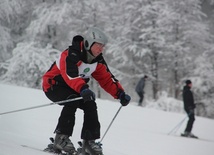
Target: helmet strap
column 90, row 56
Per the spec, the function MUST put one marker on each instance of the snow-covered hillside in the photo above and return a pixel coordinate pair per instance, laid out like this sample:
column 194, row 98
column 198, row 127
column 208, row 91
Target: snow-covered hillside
column 135, row 131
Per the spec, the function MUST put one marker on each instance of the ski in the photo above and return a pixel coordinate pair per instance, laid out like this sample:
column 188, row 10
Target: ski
column 30, row 147
column 202, row 139
column 83, row 149
column 41, row 150
column 197, row 138
column 187, row 136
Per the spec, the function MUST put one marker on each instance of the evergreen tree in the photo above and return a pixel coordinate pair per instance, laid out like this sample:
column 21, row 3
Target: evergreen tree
column 203, row 85
column 12, row 23
column 186, row 37
column 141, row 44
column 29, row 62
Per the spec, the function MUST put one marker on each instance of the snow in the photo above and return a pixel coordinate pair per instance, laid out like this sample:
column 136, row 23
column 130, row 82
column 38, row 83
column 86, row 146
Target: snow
column 135, row 130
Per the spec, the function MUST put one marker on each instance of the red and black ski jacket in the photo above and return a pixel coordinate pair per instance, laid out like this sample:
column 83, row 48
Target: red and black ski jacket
column 73, row 70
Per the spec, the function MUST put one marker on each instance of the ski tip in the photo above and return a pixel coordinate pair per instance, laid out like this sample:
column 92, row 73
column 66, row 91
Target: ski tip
column 187, row 136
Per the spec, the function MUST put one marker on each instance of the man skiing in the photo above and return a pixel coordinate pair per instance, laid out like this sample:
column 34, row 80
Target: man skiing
column 189, row 107
column 140, row 89
column 67, row 78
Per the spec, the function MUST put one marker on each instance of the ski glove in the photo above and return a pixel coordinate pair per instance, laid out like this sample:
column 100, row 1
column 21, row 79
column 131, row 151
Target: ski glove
column 87, row 95
column 124, row 99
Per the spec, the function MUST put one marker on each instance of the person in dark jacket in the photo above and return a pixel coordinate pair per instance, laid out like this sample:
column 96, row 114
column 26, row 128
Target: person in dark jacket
column 67, row 78
column 140, row 89
column 189, row 107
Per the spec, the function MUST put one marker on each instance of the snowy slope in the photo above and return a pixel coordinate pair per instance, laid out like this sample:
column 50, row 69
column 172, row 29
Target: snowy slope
column 135, row 131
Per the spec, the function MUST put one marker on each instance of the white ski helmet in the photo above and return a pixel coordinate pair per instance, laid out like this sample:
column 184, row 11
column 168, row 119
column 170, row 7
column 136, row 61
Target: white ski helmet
column 94, row 35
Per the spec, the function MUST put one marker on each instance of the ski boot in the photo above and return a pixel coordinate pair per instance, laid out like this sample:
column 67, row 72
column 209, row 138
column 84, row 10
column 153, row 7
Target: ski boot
column 61, row 146
column 89, row 147
column 188, row 134
column 50, row 148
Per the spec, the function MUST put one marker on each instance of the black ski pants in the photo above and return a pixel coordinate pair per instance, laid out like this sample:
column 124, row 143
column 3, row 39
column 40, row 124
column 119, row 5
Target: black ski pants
column 66, row 121
column 191, row 120
column 141, row 95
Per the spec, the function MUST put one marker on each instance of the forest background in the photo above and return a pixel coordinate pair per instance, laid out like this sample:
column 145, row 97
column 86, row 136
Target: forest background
column 169, row 41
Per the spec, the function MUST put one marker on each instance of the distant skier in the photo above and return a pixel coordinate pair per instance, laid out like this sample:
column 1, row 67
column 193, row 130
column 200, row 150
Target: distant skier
column 189, row 107
column 140, row 89
column 67, row 78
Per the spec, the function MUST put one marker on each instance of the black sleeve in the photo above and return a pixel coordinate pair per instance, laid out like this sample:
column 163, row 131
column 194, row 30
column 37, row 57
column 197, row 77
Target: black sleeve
column 74, row 52
column 188, row 96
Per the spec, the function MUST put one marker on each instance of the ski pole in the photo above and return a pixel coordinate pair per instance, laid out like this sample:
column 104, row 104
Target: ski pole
column 178, row 125
column 44, row 105
column 111, row 123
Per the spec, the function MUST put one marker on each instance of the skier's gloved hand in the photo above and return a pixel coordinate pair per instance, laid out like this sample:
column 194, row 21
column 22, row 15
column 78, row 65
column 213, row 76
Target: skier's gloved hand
column 87, row 95
column 124, row 98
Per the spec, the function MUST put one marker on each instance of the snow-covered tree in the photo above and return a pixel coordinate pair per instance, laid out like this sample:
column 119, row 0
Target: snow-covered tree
column 11, row 23
column 203, row 85
column 29, row 62
column 135, row 49
column 54, row 22
column 186, row 37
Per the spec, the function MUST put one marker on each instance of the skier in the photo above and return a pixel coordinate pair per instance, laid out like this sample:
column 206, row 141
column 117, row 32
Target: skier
column 68, row 77
column 140, row 89
column 189, row 107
